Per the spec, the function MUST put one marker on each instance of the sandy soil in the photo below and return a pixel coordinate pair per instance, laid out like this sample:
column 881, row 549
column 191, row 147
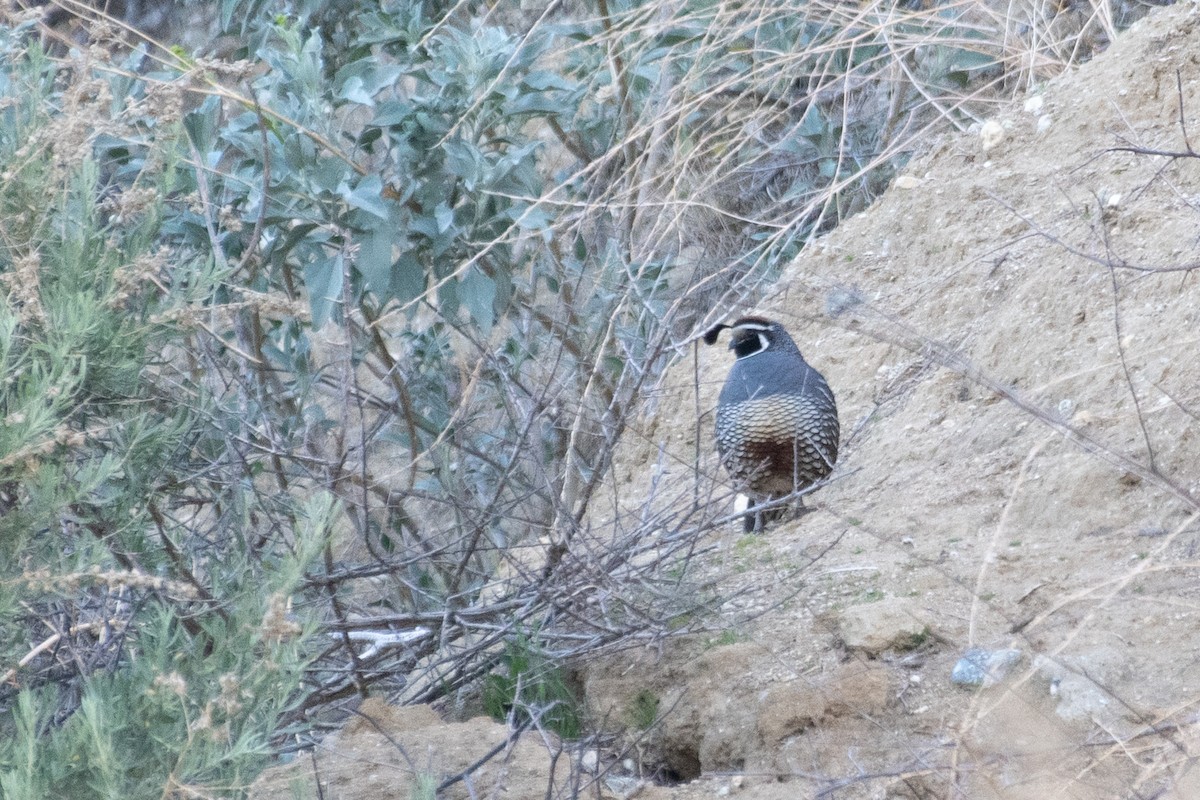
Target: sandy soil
column 1014, row 354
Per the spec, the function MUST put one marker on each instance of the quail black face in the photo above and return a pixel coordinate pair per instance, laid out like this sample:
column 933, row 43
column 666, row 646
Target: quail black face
column 750, row 336
column 777, row 424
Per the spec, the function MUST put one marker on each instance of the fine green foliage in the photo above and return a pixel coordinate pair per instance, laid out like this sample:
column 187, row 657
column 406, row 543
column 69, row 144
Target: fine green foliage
column 146, row 649
column 643, row 710
column 527, row 685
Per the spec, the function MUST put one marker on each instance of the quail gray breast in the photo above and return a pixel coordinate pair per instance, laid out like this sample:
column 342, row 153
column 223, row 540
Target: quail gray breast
column 777, row 422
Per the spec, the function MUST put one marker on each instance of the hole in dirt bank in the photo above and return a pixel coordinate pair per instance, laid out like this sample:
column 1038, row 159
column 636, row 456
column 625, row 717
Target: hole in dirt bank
column 679, row 765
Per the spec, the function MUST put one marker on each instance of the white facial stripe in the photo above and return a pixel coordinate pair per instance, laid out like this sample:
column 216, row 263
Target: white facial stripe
column 754, row 326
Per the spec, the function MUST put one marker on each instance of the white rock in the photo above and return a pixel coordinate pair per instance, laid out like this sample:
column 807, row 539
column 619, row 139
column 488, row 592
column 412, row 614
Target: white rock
column 991, row 134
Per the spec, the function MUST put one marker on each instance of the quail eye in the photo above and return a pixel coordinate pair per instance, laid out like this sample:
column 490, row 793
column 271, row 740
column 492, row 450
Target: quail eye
column 746, row 345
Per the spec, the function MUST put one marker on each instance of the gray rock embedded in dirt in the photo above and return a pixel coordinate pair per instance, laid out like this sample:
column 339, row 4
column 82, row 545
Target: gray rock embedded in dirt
column 983, row 668
column 1081, row 699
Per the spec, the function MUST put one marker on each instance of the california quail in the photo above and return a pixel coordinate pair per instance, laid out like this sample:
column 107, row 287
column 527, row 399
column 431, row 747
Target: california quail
column 777, row 423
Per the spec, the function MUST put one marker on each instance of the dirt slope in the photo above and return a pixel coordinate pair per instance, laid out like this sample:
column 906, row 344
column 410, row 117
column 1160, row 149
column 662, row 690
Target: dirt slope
column 1055, row 517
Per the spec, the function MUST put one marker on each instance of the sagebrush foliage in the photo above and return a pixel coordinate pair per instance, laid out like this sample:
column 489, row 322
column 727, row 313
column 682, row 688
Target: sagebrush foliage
column 142, row 645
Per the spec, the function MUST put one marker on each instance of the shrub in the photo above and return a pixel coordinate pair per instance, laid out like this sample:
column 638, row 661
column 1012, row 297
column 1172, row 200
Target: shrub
column 145, row 641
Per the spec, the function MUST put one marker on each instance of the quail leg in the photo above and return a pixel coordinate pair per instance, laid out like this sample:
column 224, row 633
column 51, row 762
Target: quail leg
column 756, row 519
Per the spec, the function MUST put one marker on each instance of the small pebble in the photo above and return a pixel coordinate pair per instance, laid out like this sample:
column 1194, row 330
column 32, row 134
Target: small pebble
column 991, row 134
column 623, row 787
